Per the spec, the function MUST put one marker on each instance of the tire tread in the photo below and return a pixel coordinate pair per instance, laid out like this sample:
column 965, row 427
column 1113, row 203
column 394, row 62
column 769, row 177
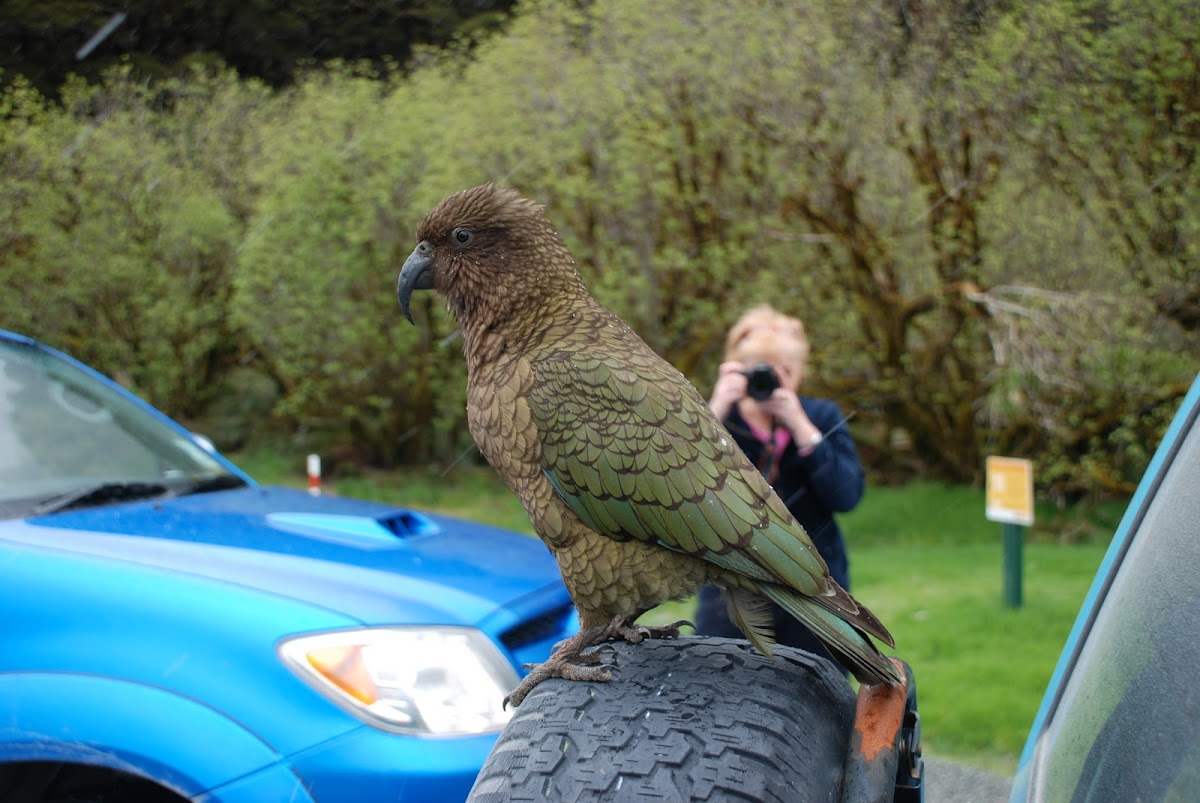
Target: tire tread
column 695, row 718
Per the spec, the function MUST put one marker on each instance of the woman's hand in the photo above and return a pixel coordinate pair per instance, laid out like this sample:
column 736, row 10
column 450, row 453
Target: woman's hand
column 784, row 406
column 729, row 390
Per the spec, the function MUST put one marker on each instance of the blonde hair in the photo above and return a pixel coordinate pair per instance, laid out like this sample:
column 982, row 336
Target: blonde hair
column 766, row 333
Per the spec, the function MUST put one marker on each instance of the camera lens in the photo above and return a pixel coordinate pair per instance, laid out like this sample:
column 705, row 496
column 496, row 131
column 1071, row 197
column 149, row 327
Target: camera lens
column 761, row 382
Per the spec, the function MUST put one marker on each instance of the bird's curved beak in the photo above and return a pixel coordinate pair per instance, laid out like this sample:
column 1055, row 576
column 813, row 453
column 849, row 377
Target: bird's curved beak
column 415, row 275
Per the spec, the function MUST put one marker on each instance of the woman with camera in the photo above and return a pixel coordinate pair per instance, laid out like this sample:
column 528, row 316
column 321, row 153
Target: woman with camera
column 800, row 444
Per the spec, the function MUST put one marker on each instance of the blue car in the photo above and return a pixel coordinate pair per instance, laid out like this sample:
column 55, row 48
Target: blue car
column 1121, row 716
column 169, row 629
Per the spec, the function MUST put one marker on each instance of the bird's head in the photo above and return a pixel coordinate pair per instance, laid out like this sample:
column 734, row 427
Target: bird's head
column 487, row 250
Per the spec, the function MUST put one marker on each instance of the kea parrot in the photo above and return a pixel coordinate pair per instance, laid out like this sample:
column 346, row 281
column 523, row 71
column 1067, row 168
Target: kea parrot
column 626, row 475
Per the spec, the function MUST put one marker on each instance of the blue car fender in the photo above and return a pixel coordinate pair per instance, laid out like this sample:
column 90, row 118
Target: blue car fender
column 86, row 719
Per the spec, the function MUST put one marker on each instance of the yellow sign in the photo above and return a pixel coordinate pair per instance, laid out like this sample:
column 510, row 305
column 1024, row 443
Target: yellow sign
column 1010, row 490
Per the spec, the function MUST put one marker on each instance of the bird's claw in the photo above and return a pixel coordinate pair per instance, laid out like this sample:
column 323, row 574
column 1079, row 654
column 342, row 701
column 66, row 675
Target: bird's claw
column 625, row 630
column 595, row 655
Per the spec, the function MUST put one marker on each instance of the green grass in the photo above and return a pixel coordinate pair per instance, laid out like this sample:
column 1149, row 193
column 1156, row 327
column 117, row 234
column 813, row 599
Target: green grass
column 923, row 558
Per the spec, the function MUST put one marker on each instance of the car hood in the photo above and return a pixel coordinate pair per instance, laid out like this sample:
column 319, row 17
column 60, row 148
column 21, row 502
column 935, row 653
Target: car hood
column 371, row 562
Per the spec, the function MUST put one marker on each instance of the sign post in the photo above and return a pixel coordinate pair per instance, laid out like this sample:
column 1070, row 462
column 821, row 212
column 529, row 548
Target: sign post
column 1010, row 501
column 1014, row 537
column 313, row 464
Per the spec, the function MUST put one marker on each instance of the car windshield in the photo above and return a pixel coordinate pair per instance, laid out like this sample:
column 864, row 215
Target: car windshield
column 69, row 439
column 1127, row 726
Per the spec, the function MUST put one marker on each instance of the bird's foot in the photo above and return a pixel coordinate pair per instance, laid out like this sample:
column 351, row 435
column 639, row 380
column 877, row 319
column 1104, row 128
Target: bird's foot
column 582, row 656
column 595, row 654
column 623, row 628
column 568, row 661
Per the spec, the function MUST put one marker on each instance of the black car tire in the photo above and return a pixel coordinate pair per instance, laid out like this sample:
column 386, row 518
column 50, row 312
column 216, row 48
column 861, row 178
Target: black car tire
column 684, row 719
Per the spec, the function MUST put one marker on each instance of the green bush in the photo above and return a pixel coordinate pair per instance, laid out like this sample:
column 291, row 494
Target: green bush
column 121, row 248
column 916, row 189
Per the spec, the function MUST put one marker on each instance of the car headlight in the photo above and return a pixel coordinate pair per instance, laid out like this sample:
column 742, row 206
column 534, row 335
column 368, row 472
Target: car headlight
column 441, row 681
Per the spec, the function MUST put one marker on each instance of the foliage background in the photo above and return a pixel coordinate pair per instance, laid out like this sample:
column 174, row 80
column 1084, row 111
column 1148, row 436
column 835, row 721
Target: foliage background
column 986, row 214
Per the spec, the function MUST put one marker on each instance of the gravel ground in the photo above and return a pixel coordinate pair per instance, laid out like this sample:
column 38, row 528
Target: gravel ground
column 950, row 782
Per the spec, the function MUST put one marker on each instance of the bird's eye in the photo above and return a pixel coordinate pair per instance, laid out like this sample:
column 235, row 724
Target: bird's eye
column 462, row 236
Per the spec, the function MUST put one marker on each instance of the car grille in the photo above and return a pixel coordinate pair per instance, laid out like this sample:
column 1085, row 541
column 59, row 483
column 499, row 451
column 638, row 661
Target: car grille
column 548, row 625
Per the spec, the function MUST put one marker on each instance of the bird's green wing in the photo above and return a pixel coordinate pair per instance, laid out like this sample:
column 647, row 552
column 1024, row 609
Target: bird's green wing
column 634, row 451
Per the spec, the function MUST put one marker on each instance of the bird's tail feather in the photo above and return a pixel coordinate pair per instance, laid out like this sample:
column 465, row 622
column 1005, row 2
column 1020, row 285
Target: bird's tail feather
column 752, row 615
column 847, row 643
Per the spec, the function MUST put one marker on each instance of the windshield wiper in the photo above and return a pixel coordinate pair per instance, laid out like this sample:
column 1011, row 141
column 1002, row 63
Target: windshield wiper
column 100, row 493
column 220, row 482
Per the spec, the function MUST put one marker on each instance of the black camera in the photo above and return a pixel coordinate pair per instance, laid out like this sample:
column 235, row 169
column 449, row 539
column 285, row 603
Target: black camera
column 761, row 381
